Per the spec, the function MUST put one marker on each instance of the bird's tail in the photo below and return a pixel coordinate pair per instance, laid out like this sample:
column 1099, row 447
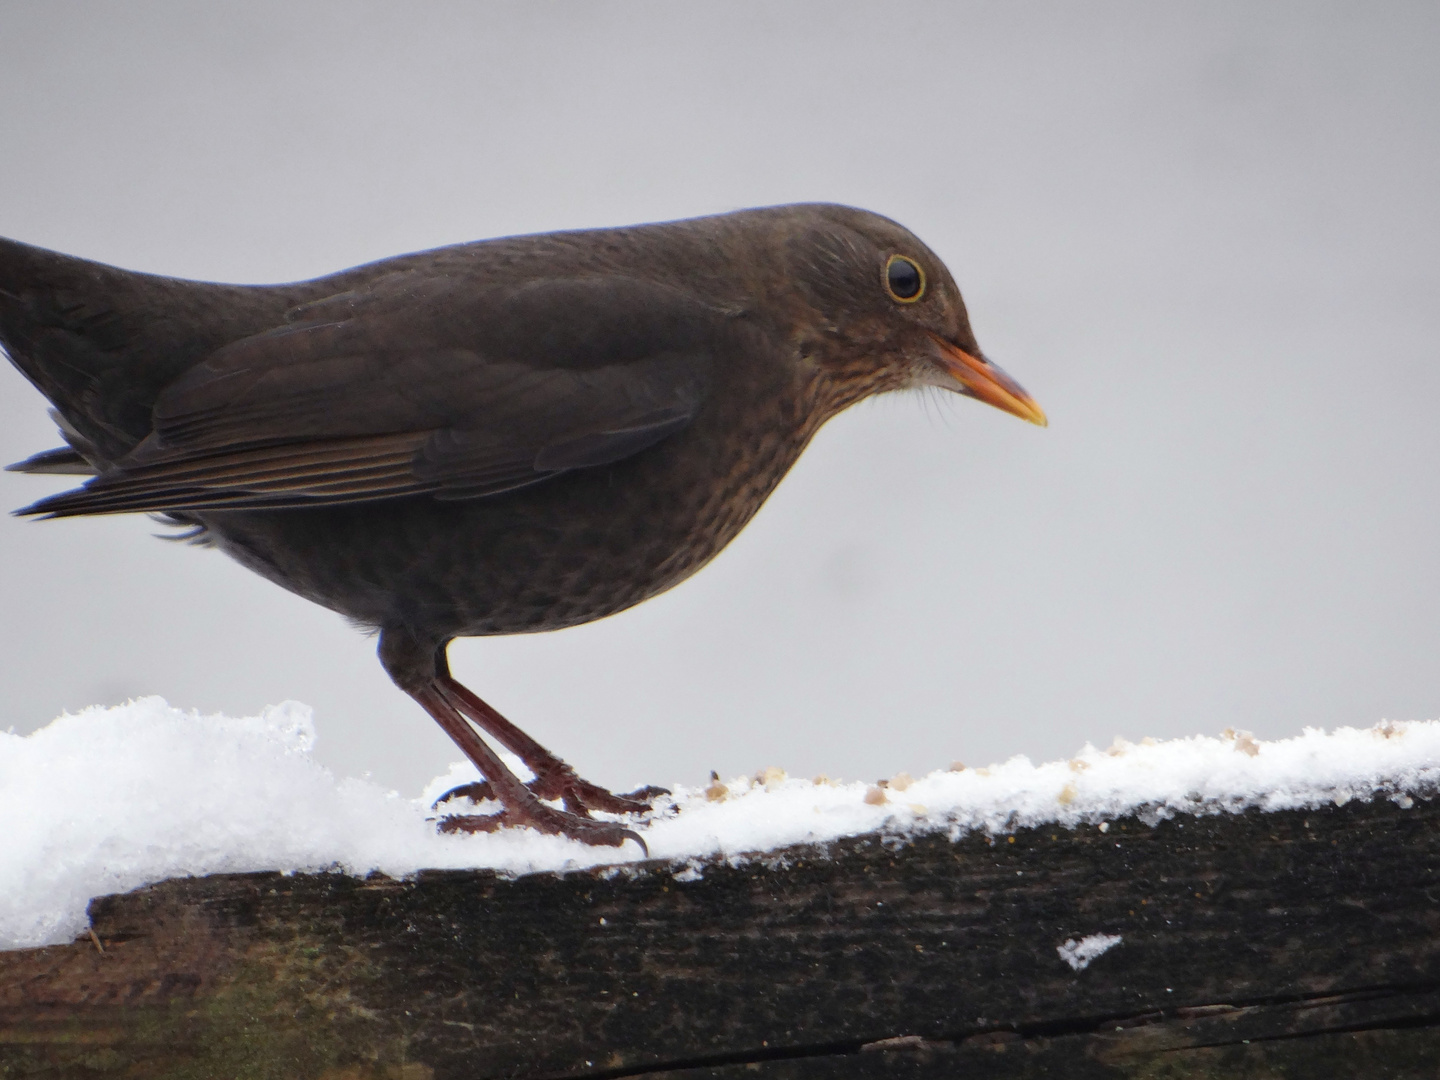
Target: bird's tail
column 100, row 342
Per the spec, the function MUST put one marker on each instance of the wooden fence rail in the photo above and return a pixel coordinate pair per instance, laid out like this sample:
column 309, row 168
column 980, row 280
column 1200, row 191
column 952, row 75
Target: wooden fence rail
column 1296, row 944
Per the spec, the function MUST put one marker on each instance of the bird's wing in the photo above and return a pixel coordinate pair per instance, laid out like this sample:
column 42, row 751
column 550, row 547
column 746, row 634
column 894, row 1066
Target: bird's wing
column 420, row 386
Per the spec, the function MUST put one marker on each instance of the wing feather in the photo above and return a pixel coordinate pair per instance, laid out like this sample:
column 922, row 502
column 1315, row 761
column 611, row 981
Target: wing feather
column 430, row 396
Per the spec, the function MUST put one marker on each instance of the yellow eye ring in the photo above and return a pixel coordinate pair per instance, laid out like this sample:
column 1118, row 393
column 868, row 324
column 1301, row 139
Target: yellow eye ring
column 903, row 279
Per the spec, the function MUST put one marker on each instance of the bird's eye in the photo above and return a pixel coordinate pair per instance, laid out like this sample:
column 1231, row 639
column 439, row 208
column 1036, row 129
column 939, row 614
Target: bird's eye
column 904, row 280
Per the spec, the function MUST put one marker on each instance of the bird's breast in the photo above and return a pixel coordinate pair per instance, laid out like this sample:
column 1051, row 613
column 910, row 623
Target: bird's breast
column 570, row 550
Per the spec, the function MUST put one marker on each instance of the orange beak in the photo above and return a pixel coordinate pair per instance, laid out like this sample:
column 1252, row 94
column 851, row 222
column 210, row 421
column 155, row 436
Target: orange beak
column 976, row 377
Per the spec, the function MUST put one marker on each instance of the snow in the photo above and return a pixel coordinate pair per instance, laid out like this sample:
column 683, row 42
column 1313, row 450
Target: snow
column 113, row 798
column 1078, row 954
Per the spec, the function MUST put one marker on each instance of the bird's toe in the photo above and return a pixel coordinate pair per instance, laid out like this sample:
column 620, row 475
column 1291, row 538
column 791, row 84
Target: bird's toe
column 545, row 819
column 583, row 796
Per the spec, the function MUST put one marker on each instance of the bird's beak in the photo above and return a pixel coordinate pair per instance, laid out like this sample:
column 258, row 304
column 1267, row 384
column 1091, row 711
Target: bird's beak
column 977, row 377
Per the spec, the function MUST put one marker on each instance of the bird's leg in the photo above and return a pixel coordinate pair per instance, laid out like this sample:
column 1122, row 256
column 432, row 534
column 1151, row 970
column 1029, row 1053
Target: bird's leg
column 554, row 779
column 414, row 668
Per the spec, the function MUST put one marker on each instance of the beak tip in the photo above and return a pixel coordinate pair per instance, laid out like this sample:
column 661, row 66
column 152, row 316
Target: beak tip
column 977, row 377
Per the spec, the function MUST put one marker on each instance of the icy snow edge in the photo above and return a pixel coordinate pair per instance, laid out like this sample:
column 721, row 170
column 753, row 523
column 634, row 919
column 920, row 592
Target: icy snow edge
column 115, row 798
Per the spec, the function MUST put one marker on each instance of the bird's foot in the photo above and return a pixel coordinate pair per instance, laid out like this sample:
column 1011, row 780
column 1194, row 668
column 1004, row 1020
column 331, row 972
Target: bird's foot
column 545, row 819
column 580, row 796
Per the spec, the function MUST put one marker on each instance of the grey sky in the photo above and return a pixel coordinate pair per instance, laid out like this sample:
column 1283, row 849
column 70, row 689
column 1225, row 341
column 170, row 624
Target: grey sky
column 1204, row 236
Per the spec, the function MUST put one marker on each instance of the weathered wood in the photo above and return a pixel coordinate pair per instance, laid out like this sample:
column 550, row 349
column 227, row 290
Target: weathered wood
column 1266, row 945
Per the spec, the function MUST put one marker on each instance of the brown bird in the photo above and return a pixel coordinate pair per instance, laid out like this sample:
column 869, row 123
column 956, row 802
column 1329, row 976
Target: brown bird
column 501, row 437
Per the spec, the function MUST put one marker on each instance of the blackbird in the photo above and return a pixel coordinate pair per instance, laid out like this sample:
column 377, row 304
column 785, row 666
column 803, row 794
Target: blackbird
column 500, row 437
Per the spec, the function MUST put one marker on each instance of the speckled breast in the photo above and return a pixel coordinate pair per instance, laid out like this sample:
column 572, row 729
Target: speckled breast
column 566, row 551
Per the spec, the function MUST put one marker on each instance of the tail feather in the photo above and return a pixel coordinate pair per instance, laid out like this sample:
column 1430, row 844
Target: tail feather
column 100, row 342
column 62, row 461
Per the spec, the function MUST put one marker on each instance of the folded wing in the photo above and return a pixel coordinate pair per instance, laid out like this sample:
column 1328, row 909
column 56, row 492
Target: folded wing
column 416, row 387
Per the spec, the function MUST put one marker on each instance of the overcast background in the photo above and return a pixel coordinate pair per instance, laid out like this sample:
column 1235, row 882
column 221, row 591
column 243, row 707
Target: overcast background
column 1204, row 236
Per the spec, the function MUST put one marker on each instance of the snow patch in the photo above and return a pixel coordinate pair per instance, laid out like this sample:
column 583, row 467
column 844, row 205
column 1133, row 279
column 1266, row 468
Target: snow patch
column 114, row 798
column 1078, row 954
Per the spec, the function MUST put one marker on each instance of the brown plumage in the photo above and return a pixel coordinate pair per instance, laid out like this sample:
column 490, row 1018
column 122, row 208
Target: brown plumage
column 502, row 437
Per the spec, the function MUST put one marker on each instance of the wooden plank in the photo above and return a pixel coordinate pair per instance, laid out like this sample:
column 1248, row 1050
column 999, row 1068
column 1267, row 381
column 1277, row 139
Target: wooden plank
column 1276, row 945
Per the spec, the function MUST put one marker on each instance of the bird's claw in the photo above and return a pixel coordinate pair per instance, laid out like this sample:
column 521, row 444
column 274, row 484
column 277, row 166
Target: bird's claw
column 479, row 791
column 646, row 795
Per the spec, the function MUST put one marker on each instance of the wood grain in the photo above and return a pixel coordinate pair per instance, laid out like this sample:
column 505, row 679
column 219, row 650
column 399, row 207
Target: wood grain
column 1301, row 944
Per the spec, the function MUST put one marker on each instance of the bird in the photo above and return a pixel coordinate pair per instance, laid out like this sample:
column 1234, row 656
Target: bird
column 507, row 436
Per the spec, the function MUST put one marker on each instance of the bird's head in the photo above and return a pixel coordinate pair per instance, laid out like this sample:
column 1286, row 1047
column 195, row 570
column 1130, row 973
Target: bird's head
column 884, row 312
